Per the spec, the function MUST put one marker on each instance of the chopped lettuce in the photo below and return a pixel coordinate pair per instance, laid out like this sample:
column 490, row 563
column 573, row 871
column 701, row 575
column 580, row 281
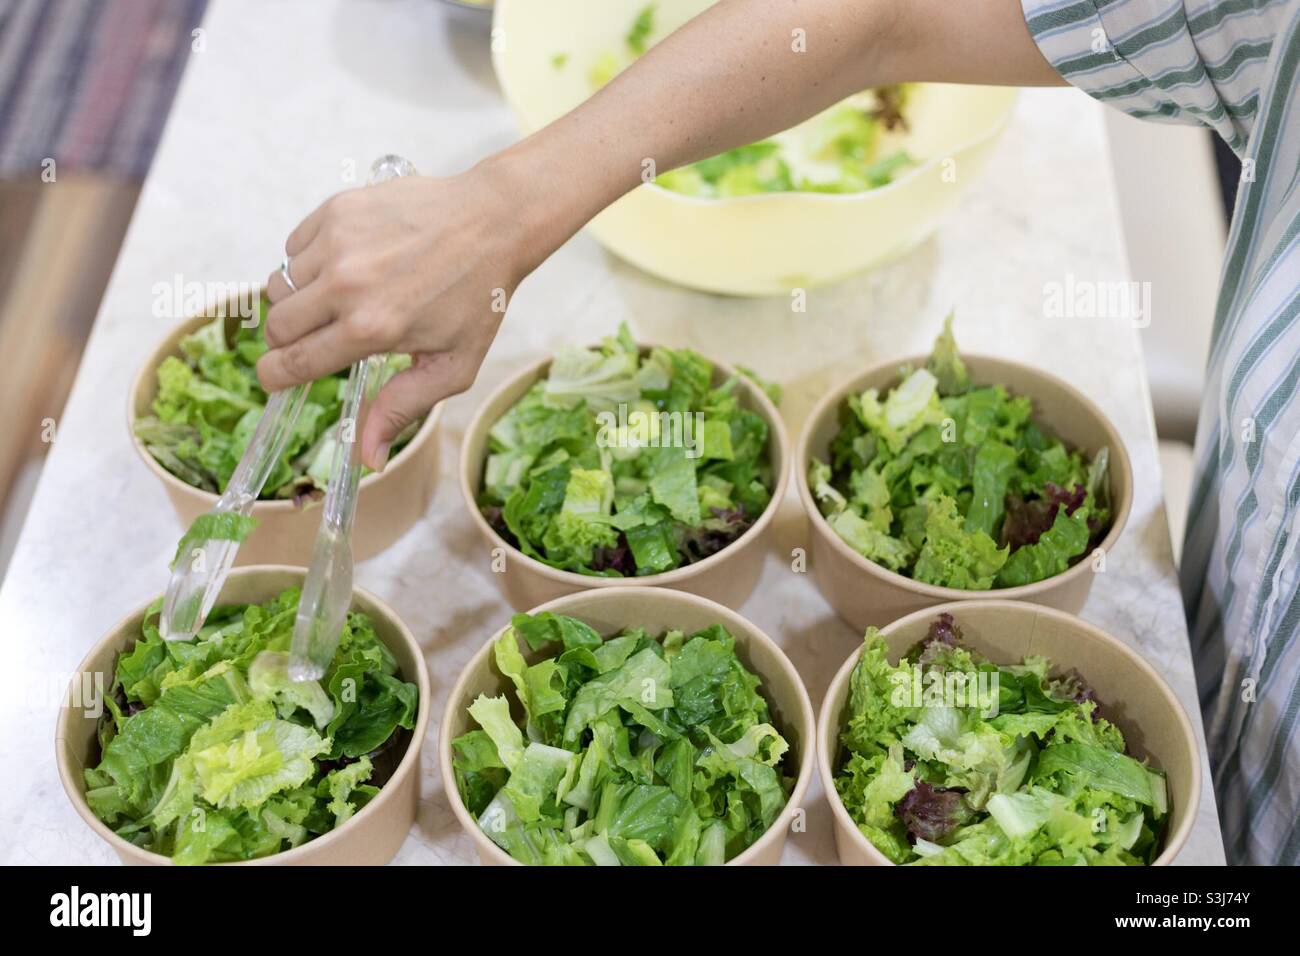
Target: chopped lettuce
column 841, row 150
column 954, row 485
column 642, row 27
column 209, row 402
column 1030, row 773
column 619, row 464
column 268, row 679
column 210, row 754
column 952, row 556
column 633, row 750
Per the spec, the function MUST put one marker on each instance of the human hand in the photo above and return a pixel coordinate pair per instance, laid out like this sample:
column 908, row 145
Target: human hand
column 416, row 265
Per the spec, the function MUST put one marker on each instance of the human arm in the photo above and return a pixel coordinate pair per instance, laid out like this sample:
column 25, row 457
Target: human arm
column 416, row 265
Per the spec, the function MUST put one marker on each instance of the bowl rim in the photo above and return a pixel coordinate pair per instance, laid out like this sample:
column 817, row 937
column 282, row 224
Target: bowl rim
column 828, row 724
column 274, row 505
column 409, row 763
column 1121, row 466
column 778, row 442
column 736, row 623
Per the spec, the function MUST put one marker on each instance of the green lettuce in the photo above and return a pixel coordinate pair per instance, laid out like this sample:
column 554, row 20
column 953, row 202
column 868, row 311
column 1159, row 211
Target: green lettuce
column 209, row 402
column 1065, row 540
column 246, row 754
column 639, row 33
column 952, row 556
column 838, row 151
column 621, row 464
column 953, row 484
column 209, row 753
column 1028, row 774
column 633, row 750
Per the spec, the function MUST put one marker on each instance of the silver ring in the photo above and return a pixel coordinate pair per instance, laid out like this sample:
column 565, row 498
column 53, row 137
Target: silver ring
column 284, row 274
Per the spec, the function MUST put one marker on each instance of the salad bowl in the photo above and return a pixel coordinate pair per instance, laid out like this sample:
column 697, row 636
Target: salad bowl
column 1129, row 692
column 388, row 503
column 727, row 576
column 371, row 836
column 655, row 610
column 763, row 244
column 865, row 593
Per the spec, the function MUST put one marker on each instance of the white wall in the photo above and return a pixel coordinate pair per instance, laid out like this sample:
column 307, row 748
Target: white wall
column 1173, row 226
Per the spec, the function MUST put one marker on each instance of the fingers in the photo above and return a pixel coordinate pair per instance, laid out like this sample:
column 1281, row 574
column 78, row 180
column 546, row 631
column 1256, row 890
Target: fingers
column 276, row 287
column 301, row 237
column 406, row 397
column 303, row 270
column 300, row 314
column 322, row 352
column 305, row 254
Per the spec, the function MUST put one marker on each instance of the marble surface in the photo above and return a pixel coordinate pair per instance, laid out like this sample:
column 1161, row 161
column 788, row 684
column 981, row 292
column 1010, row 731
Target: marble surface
column 283, row 97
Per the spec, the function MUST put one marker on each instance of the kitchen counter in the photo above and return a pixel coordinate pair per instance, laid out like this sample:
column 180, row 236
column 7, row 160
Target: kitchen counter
column 280, row 103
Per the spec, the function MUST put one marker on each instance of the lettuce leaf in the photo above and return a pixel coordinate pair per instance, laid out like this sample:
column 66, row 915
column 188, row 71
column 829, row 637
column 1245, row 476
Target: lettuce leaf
column 953, row 556
column 268, row 679
column 946, row 365
column 246, row 754
column 1065, row 540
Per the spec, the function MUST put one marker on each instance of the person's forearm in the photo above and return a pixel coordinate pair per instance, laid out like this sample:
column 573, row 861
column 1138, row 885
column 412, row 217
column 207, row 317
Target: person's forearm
column 745, row 69
column 418, row 265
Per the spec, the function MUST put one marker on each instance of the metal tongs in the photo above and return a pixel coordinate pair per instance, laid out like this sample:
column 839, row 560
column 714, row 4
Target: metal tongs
column 197, row 578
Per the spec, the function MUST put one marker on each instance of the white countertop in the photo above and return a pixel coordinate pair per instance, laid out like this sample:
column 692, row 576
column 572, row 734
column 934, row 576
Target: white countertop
column 285, row 95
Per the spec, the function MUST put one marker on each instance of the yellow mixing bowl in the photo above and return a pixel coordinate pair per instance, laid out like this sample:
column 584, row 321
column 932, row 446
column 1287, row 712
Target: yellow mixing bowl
column 766, row 244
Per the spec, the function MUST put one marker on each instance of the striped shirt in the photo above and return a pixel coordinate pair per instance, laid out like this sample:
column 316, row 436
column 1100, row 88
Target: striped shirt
column 1232, row 65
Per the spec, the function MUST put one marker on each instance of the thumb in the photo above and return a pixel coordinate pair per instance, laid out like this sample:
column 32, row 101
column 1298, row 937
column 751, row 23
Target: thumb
column 405, row 398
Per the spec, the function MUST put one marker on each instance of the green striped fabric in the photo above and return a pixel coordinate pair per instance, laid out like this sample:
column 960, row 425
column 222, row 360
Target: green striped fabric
column 1234, row 66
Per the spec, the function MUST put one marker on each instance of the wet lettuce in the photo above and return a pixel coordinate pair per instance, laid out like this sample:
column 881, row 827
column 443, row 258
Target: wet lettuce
column 1022, row 769
column 618, row 464
column 953, row 484
column 209, row 753
column 633, row 751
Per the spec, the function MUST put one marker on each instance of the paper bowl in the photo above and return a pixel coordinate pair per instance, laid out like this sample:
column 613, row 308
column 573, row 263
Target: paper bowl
column 752, row 245
column 865, row 593
column 388, row 504
column 727, row 577
column 1132, row 696
column 657, row 610
column 371, row 837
